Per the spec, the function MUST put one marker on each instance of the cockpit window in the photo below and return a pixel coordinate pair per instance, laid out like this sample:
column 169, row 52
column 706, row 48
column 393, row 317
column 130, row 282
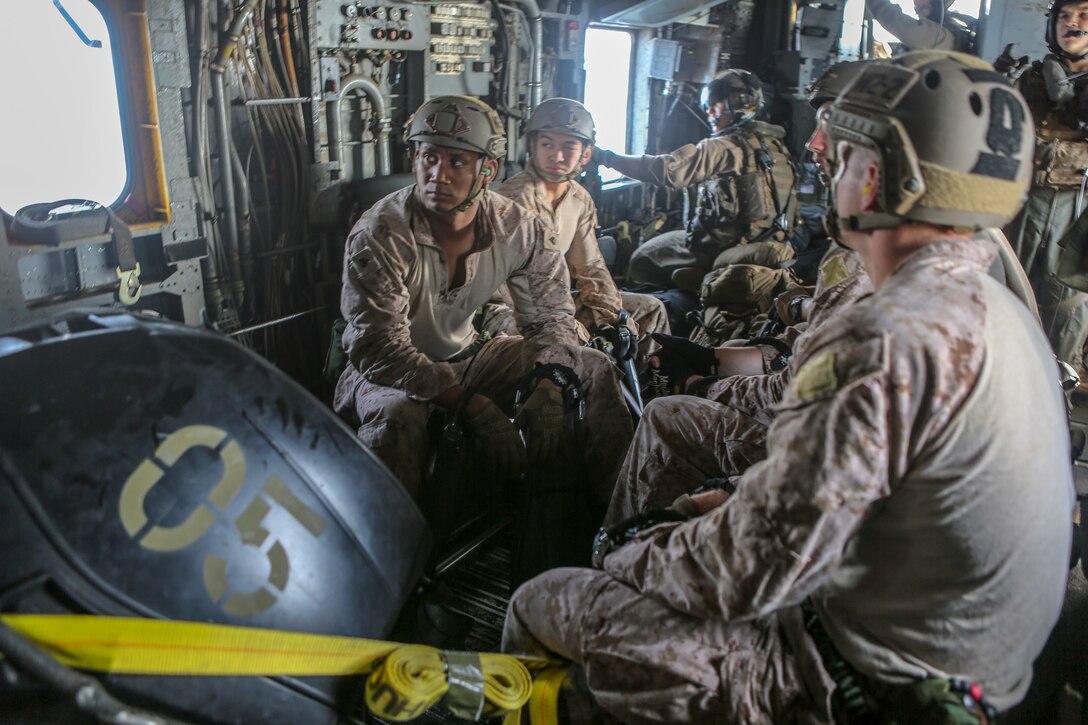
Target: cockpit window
column 608, row 88
column 61, row 132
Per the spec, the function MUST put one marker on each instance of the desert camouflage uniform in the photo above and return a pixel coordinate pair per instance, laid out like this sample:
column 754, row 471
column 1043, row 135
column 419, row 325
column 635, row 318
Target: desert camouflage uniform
column 409, row 338
column 681, row 441
column 1061, row 155
column 913, row 33
column 726, row 167
column 905, row 494
column 572, row 222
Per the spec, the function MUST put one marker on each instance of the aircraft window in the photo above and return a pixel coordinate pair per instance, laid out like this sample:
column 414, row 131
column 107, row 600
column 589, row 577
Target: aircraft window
column 608, row 93
column 853, row 22
column 61, row 135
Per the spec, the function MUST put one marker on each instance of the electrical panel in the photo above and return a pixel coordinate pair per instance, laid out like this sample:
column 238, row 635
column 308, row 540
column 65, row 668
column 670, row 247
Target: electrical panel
column 377, row 24
column 460, row 49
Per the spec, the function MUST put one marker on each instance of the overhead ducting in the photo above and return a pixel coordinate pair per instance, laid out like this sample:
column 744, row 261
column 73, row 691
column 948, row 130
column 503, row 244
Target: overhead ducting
column 652, row 13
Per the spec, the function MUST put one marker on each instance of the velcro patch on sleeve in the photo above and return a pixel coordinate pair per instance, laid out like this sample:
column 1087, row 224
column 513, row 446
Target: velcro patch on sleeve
column 832, row 370
column 833, row 271
column 816, row 379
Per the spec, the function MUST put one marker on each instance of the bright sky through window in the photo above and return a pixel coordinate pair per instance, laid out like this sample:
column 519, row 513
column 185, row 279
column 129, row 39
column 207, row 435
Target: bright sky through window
column 608, row 85
column 855, row 13
column 60, row 132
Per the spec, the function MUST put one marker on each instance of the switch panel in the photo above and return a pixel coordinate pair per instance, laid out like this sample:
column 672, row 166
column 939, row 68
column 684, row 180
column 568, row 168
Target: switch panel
column 372, row 24
column 461, row 37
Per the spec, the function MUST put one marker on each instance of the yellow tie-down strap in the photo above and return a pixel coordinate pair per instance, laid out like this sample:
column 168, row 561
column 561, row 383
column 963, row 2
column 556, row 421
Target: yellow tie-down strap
column 404, row 679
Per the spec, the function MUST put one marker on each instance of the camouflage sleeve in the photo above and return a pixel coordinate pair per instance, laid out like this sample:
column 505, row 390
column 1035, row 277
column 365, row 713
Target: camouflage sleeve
column 544, row 310
column 596, row 289
column 692, row 164
column 374, row 301
column 753, row 395
column 916, row 34
column 781, row 535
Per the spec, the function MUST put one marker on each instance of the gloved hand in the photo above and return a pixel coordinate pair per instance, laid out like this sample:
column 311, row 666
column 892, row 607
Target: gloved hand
column 543, row 419
column 679, row 359
column 619, row 341
column 497, row 441
column 610, row 538
column 1010, row 66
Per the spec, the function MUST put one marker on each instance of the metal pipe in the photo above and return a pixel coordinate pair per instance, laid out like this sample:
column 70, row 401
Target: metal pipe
column 278, row 321
column 222, row 123
column 536, row 72
column 377, row 102
column 226, row 173
column 276, row 101
column 245, row 221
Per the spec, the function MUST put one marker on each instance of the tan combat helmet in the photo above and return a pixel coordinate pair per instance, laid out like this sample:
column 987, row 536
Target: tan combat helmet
column 740, row 89
column 460, row 122
column 955, row 140
column 834, row 81
column 560, row 115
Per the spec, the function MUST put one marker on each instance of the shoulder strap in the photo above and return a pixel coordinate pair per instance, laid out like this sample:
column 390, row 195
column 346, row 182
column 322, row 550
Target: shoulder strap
column 766, row 160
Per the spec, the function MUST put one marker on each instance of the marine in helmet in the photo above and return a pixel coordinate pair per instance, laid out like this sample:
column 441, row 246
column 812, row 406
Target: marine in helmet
column 888, row 538
column 718, row 429
column 1059, row 106
column 936, row 27
column 417, row 265
column 745, row 182
column 560, row 136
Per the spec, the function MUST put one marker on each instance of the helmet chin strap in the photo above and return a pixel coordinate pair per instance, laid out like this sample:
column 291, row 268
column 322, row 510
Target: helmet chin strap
column 555, row 178
column 474, row 193
column 867, row 222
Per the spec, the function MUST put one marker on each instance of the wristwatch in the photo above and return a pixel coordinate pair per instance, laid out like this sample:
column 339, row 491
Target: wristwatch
column 795, row 307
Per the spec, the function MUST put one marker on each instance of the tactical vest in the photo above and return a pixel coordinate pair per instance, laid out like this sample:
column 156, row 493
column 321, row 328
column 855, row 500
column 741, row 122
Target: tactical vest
column 1061, row 150
column 755, row 204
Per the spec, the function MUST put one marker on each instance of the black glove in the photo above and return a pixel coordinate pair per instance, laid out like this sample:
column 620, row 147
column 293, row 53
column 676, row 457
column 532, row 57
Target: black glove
column 610, row 538
column 1010, row 66
column 679, row 359
column 498, row 441
column 618, row 340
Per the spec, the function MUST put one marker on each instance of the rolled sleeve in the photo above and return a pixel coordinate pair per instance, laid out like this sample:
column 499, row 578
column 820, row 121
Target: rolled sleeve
column 596, row 289
column 753, row 395
column 693, row 164
column 543, row 307
column 915, row 33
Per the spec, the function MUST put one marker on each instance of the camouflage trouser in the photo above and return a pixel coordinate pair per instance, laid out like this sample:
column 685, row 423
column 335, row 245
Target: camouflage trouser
column 1034, row 234
column 394, row 426
column 646, row 662
column 654, row 261
column 681, row 441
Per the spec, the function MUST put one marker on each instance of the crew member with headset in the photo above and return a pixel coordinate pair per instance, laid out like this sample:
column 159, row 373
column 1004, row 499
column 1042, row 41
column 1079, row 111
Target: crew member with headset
column 746, row 182
column 1058, row 102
